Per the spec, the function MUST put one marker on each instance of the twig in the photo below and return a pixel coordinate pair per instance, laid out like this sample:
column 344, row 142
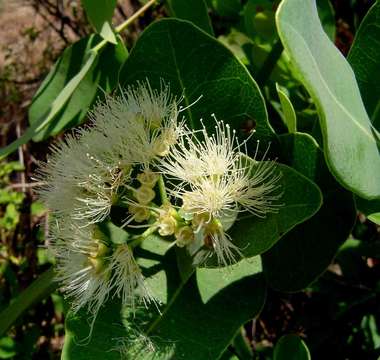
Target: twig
column 24, row 185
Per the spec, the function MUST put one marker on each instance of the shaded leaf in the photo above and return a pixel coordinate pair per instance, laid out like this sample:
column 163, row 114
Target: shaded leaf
column 306, row 251
column 197, row 321
column 194, row 11
column 291, row 347
column 301, row 199
column 364, row 58
column 195, row 64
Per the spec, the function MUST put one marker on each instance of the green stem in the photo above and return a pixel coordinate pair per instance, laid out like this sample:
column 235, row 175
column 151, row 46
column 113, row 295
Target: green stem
column 270, row 62
column 162, row 190
column 40, row 288
column 126, row 23
column 140, row 238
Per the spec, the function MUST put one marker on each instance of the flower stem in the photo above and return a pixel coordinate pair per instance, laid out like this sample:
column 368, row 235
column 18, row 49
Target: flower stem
column 140, row 238
column 162, row 190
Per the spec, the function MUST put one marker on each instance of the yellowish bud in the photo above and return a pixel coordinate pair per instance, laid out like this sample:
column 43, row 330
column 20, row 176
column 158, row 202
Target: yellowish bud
column 167, row 225
column 161, row 147
column 184, row 236
column 140, row 213
column 144, row 194
column 148, row 178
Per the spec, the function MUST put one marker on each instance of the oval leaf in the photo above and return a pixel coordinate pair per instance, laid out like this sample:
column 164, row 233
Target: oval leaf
column 306, row 251
column 301, row 199
column 195, row 64
column 194, row 11
column 192, row 312
column 291, row 347
column 364, row 58
column 350, row 148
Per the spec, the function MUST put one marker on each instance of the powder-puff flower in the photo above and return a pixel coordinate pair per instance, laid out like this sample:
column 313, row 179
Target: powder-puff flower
column 91, row 270
column 86, row 170
column 81, row 180
column 215, row 181
column 141, row 123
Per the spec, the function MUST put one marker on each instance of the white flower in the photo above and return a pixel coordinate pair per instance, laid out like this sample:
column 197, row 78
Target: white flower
column 141, row 123
column 81, row 179
column 216, row 180
column 198, row 155
column 91, row 270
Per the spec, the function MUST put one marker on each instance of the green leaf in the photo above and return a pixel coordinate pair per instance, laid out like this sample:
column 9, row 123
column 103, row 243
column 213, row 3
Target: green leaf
column 350, row 148
column 375, row 217
column 227, row 8
column 90, row 80
column 364, row 58
column 301, row 199
column 306, row 251
column 38, row 290
column 289, row 115
column 194, row 11
column 8, row 348
column 367, row 207
column 198, row 318
column 52, row 108
column 100, row 12
column 259, row 20
column 195, row 64
column 291, row 347
column 327, row 16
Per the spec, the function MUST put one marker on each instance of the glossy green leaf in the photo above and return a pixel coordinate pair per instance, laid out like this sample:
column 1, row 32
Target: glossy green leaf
column 194, row 11
column 227, row 8
column 8, row 348
column 375, row 217
column 100, row 12
column 288, row 112
column 300, row 200
column 201, row 311
column 350, row 148
column 306, row 251
column 364, row 58
column 95, row 78
column 197, row 65
column 291, row 347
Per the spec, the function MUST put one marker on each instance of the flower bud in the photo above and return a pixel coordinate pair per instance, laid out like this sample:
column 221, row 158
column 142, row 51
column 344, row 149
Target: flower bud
column 144, row 194
column 140, row 213
column 184, row 236
column 148, row 178
column 167, row 225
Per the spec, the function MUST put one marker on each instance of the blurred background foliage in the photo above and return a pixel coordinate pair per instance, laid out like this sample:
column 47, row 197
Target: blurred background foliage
column 338, row 316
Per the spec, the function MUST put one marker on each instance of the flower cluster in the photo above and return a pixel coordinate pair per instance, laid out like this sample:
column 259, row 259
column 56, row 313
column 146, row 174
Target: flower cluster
column 138, row 156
